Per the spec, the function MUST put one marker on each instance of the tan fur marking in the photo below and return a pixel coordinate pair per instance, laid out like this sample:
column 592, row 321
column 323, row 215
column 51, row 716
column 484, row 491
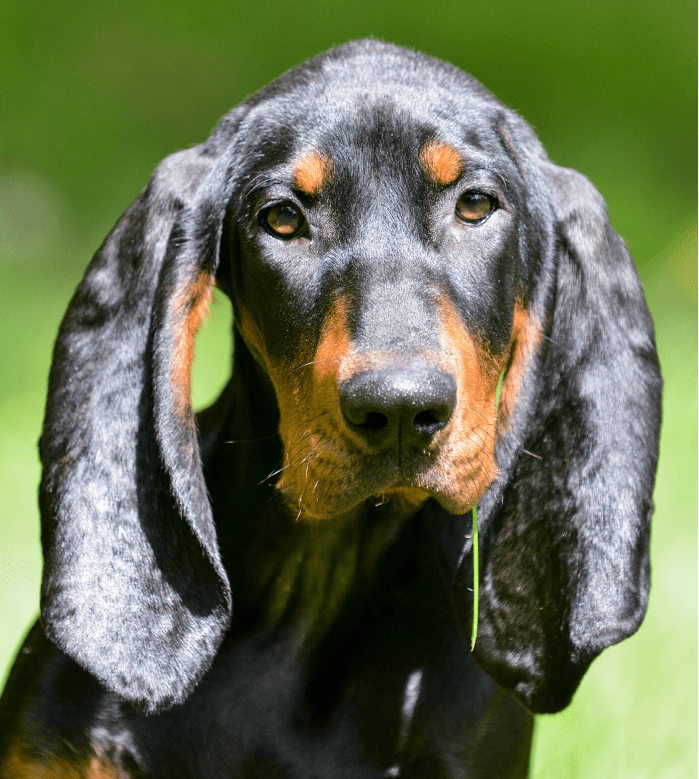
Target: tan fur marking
column 23, row 763
column 310, row 419
column 191, row 306
column 441, row 162
column 334, row 343
column 465, row 465
column 312, row 172
column 526, row 336
column 101, row 770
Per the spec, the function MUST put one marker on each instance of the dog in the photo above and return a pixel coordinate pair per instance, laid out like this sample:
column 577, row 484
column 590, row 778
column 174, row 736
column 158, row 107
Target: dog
column 430, row 316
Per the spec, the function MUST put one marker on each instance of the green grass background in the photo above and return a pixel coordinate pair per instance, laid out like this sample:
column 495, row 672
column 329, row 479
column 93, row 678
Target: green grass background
column 94, row 94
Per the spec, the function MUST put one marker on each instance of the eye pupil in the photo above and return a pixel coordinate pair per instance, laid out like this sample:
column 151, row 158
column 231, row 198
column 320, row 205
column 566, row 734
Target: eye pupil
column 474, row 206
column 284, row 220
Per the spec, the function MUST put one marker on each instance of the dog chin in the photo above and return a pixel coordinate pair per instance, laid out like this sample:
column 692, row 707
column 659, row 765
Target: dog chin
column 396, row 500
column 456, row 504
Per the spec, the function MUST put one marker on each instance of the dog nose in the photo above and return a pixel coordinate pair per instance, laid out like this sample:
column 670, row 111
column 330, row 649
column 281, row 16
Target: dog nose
column 398, row 406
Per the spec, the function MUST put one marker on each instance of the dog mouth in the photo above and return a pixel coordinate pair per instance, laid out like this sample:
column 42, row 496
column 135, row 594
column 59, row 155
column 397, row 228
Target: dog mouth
column 331, row 487
column 430, row 442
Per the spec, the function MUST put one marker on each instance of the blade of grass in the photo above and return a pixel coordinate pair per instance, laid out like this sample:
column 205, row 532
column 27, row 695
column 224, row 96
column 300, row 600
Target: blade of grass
column 474, row 629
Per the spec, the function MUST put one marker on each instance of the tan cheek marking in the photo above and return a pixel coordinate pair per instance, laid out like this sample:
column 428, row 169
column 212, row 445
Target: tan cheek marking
column 310, row 414
column 474, row 374
column 526, row 337
column 321, row 382
column 469, row 448
column 312, row 172
column 441, row 162
column 334, row 359
column 334, row 343
column 19, row 765
column 191, row 307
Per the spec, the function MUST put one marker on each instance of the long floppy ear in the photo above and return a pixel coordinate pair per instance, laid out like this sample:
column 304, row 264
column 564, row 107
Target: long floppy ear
column 565, row 530
column 134, row 589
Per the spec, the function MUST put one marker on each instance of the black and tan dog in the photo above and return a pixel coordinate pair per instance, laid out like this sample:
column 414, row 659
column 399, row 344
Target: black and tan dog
column 281, row 586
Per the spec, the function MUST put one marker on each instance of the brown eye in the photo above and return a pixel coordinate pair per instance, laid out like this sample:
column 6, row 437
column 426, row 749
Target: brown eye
column 474, row 206
column 284, row 220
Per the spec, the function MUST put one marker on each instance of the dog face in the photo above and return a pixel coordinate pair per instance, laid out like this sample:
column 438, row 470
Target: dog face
column 378, row 281
column 396, row 243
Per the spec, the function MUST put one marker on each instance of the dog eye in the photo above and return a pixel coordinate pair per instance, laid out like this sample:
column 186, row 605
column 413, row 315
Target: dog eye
column 475, row 206
column 284, row 220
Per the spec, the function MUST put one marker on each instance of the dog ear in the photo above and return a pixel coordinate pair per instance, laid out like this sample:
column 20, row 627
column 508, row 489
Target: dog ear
column 133, row 588
column 565, row 529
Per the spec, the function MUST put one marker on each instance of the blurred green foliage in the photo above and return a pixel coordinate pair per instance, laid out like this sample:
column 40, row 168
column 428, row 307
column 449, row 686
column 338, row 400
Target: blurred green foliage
column 94, row 94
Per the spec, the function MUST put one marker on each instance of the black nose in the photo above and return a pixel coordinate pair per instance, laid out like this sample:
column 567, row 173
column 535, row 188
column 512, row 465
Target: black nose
column 398, row 405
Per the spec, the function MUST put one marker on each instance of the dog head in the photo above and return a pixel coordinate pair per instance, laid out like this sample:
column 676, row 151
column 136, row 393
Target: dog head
column 397, row 247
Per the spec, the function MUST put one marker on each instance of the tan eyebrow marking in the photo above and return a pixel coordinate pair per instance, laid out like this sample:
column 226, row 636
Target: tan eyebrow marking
column 312, row 172
column 441, row 162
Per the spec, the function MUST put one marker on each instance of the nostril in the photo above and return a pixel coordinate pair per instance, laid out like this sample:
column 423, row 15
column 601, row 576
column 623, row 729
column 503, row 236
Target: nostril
column 372, row 421
column 432, row 420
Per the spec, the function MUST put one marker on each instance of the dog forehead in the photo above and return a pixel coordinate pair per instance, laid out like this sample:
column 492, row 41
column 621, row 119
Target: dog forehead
column 343, row 93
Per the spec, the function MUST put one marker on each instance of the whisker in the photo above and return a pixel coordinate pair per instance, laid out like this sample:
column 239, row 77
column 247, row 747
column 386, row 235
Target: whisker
column 251, row 440
column 316, row 362
column 274, row 473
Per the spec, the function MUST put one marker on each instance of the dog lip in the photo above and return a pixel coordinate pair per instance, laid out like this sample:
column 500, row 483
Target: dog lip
column 407, row 479
column 409, row 487
column 417, row 480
